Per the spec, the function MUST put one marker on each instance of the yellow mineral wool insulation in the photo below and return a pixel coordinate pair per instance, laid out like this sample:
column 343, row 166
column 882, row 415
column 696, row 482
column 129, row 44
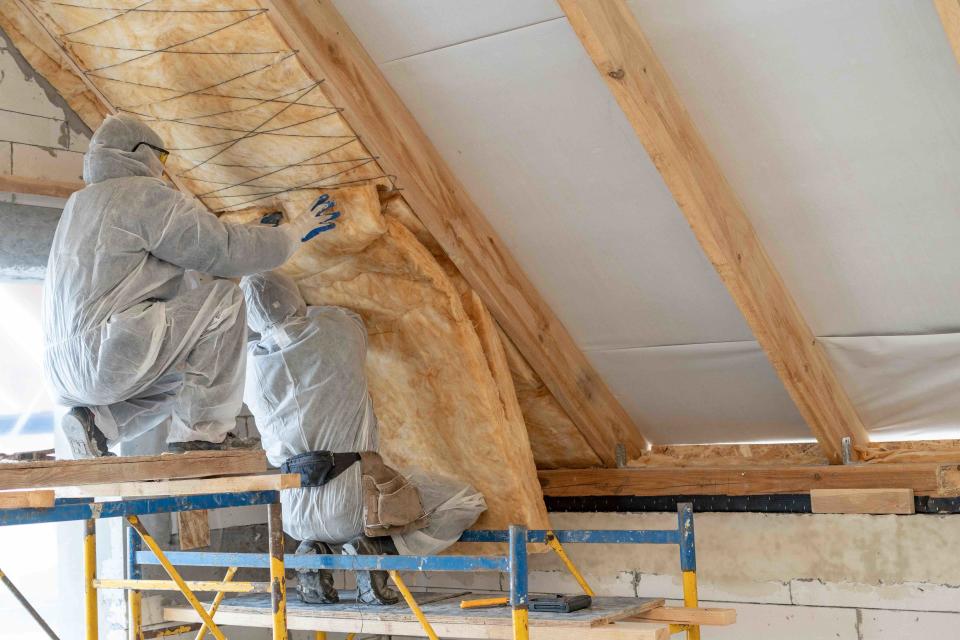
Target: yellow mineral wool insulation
column 241, row 116
column 555, row 439
column 440, row 406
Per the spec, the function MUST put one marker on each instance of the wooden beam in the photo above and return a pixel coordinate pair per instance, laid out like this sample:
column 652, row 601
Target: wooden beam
column 329, row 50
column 195, row 585
column 193, row 529
column 876, row 501
column 38, row 499
column 690, row 615
column 38, row 186
column 795, row 453
column 227, row 484
column 934, row 479
column 613, row 39
column 949, row 11
column 195, row 464
column 298, row 621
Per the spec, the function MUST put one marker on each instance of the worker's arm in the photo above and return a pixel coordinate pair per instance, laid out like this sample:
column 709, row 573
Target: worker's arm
column 191, row 237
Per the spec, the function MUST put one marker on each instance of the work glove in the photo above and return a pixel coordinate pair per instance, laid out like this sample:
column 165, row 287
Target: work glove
column 320, row 218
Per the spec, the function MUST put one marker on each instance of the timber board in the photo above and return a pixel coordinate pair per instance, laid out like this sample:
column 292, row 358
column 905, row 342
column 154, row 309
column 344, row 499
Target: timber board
column 447, row 609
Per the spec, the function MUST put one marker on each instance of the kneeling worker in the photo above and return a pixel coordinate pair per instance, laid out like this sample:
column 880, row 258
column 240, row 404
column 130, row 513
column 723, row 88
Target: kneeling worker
column 307, row 390
column 127, row 345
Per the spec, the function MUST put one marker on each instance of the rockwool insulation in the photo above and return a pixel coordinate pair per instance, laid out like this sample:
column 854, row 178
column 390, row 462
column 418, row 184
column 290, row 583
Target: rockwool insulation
column 438, row 375
column 251, row 131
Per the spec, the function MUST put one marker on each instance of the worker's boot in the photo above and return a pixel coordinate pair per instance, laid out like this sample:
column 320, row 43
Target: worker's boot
column 84, row 438
column 230, row 443
column 315, row 586
column 372, row 586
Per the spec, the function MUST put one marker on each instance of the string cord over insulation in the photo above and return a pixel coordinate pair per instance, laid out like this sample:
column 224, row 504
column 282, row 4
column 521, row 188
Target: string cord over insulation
column 248, row 190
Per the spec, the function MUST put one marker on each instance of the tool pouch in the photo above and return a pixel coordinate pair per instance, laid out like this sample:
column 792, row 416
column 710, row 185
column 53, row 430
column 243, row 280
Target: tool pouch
column 391, row 505
column 317, row 468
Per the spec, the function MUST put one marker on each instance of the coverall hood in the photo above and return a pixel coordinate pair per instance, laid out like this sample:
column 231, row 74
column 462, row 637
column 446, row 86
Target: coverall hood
column 109, row 155
column 271, row 299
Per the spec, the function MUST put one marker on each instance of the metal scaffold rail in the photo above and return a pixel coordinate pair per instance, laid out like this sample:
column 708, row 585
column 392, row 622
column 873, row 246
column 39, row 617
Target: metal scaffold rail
column 143, row 549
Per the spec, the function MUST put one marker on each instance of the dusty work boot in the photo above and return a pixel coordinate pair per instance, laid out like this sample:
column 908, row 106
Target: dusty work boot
column 230, row 443
column 84, row 438
column 315, row 586
column 372, row 586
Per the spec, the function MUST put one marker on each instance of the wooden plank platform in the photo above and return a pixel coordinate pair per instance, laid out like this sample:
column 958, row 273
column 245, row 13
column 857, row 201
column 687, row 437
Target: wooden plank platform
column 36, row 499
column 226, row 484
column 195, row 464
column 604, row 620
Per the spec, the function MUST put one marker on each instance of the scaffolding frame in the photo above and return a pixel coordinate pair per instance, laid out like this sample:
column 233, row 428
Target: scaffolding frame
column 517, row 537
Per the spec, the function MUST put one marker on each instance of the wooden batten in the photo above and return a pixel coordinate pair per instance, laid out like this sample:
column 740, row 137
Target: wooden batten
column 31, row 499
column 38, row 186
column 931, row 479
column 874, row 501
column 196, row 464
column 690, row 615
column 193, row 529
column 609, row 32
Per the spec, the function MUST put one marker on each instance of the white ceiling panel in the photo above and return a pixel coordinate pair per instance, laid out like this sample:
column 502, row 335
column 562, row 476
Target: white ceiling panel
column 701, row 393
column 392, row 29
column 527, row 124
column 836, row 123
column 903, row 387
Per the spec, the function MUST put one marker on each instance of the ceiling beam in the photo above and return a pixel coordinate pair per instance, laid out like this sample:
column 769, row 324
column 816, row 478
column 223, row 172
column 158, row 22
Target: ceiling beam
column 330, row 50
column 38, row 186
column 949, row 11
column 613, row 39
column 924, row 478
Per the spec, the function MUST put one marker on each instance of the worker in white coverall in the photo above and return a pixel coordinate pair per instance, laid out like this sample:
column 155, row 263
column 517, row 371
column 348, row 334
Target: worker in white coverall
column 127, row 346
column 307, row 390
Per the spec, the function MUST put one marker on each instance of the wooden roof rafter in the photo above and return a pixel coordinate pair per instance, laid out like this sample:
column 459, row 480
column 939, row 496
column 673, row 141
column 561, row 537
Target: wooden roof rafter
column 628, row 64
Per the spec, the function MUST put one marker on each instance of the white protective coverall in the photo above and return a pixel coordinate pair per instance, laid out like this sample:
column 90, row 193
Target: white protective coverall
column 307, row 389
column 121, row 338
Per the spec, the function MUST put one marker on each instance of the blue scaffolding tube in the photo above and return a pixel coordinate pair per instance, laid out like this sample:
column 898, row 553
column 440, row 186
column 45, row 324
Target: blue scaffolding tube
column 517, row 537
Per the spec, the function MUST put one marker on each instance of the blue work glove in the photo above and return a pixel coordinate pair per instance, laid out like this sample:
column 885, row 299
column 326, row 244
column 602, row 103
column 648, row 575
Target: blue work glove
column 307, row 227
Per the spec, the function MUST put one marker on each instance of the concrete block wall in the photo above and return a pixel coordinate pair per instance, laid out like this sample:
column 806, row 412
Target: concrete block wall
column 790, row 576
column 40, row 136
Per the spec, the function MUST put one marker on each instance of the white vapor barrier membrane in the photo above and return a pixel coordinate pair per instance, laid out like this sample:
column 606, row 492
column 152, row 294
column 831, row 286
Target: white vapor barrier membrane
column 702, row 393
column 527, row 124
column 836, row 124
column 904, row 387
column 391, row 30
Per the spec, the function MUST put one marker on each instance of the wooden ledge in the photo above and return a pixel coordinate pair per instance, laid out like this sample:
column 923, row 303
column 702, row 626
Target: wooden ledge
column 932, row 479
column 690, row 615
column 37, row 499
column 225, row 484
column 38, row 186
column 195, row 464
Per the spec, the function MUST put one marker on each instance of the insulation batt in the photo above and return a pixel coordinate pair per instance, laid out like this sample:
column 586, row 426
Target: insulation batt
column 438, row 403
column 307, row 388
